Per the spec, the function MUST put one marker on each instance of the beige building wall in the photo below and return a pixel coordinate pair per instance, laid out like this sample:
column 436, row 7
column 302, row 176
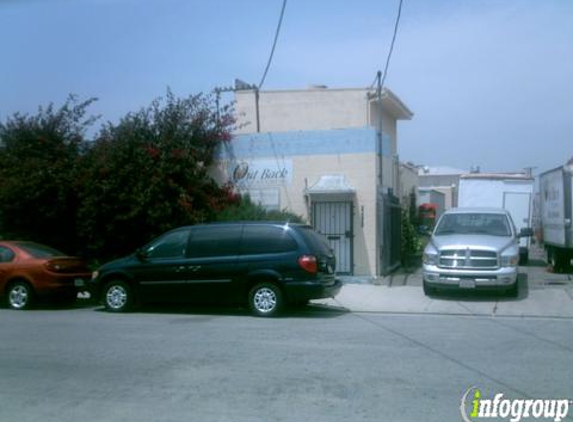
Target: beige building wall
column 308, row 109
column 320, row 108
column 265, row 114
column 360, row 173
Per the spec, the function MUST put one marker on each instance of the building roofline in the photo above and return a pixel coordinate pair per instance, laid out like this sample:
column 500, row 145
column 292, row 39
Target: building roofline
column 390, row 100
column 401, row 111
column 496, row 176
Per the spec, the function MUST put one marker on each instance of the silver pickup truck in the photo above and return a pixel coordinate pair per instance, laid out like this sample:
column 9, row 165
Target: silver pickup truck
column 473, row 248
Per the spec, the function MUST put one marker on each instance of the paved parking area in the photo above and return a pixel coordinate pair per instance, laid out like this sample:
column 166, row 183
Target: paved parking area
column 542, row 293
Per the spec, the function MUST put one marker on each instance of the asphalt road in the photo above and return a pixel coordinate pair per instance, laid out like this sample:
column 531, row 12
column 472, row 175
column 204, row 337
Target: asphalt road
column 188, row 364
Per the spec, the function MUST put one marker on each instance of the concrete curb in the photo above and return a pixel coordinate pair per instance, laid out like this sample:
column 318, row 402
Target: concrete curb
column 551, row 302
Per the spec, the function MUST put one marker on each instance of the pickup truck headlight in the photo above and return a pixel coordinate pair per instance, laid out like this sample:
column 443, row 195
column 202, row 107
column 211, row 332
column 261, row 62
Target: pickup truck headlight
column 430, row 258
column 509, row 260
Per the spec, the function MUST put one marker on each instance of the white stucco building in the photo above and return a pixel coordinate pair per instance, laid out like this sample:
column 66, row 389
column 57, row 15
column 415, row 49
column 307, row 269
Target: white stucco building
column 318, row 152
column 442, row 179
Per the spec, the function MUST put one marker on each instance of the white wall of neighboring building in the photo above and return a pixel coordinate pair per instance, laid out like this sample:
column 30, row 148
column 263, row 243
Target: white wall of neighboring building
column 408, row 183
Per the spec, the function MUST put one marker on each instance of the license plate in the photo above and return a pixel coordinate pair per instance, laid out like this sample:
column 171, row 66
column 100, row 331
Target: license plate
column 467, row 284
column 78, row 282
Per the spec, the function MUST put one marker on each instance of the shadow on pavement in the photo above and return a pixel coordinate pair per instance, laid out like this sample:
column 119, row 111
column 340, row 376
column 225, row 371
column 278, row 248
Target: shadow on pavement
column 536, row 263
column 308, row 311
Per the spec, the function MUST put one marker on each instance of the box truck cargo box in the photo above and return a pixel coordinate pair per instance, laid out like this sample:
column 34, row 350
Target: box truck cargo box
column 510, row 191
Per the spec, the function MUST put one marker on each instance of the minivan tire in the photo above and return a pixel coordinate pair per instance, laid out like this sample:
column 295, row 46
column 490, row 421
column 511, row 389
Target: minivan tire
column 117, row 296
column 266, row 300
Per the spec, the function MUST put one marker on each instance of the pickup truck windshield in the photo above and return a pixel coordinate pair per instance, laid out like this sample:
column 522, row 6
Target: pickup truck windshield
column 474, row 223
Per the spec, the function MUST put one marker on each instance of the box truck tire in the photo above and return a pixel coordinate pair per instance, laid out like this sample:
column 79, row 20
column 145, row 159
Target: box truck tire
column 558, row 258
column 523, row 256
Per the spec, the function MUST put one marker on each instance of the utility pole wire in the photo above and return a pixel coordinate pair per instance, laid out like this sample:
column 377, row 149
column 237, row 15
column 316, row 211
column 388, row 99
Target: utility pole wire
column 274, row 45
column 392, row 43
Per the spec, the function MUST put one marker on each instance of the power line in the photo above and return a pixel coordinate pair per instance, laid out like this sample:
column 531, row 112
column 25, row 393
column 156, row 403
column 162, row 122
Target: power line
column 392, row 43
column 274, row 45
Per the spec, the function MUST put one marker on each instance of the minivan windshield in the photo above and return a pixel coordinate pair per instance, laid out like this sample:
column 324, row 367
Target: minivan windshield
column 474, row 223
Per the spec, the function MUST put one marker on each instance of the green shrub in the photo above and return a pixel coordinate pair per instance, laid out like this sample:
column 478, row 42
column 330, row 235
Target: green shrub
column 247, row 210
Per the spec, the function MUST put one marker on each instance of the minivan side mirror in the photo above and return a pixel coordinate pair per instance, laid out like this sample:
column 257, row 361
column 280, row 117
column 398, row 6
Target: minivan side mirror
column 141, row 254
column 526, row 232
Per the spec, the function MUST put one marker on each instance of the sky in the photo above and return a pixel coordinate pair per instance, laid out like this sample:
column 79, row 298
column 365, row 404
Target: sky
column 490, row 82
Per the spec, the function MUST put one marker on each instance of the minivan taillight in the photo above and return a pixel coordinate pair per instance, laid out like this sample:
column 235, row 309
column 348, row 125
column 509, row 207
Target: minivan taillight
column 308, row 263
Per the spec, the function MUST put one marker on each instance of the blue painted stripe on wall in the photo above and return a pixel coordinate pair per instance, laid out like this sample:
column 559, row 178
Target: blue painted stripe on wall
column 318, row 142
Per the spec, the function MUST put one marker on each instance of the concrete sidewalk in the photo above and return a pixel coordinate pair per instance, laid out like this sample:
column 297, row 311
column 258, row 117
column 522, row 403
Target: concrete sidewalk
column 542, row 294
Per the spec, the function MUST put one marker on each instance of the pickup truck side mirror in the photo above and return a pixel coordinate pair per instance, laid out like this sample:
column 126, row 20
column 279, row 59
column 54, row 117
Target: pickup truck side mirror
column 525, row 232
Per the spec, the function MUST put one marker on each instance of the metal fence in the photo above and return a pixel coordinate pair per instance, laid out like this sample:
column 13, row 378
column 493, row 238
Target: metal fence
column 391, row 233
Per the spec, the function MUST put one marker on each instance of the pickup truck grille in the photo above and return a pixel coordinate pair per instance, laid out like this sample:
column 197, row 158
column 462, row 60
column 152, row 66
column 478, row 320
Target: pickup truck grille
column 468, row 259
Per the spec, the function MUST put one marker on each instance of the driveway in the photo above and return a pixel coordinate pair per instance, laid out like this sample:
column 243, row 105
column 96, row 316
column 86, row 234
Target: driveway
column 541, row 294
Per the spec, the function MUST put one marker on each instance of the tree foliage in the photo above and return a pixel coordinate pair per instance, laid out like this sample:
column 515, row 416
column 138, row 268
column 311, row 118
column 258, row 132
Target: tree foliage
column 39, row 158
column 139, row 178
column 410, row 242
column 149, row 174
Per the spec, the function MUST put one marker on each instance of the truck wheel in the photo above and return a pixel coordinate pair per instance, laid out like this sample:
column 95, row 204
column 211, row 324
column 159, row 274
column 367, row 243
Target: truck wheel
column 428, row 290
column 557, row 259
column 513, row 291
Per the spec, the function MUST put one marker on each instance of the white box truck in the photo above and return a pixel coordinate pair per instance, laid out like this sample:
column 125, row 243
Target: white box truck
column 556, row 204
column 510, row 191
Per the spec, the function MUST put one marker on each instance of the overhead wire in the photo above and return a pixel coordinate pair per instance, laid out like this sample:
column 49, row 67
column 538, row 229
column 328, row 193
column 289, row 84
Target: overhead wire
column 274, row 45
column 392, row 43
column 391, row 50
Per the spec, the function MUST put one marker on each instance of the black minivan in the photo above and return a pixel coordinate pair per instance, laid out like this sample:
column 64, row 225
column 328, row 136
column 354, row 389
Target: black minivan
column 267, row 265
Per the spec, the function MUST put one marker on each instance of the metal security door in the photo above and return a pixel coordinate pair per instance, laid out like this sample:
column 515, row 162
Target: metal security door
column 334, row 221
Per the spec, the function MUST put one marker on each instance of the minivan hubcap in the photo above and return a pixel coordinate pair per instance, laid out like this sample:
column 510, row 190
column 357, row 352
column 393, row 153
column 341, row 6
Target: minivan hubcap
column 18, row 297
column 265, row 300
column 116, row 297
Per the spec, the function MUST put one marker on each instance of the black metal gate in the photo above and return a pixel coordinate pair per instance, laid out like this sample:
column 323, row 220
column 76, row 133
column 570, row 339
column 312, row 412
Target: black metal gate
column 391, row 233
column 334, row 221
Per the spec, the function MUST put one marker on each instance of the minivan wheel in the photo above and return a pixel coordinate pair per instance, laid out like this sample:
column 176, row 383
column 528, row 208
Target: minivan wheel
column 117, row 296
column 266, row 299
column 20, row 295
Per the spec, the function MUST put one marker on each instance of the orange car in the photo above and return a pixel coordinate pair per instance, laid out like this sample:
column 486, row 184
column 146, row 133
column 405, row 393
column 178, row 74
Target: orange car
column 30, row 271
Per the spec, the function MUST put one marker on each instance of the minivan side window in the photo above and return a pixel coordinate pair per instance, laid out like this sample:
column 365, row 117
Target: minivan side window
column 172, row 245
column 316, row 241
column 214, row 241
column 267, row 239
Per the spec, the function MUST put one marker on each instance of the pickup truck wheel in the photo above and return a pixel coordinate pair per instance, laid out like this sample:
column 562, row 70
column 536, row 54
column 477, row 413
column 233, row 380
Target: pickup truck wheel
column 428, row 290
column 514, row 290
column 266, row 300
